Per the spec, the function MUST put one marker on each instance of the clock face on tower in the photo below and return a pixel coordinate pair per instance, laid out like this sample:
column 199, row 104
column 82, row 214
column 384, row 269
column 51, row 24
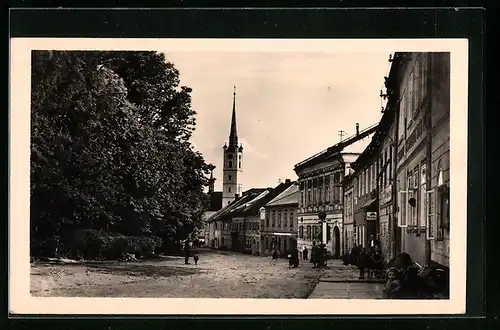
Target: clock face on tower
column 230, row 156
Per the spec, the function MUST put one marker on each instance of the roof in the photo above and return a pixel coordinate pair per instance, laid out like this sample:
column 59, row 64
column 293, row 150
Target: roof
column 215, row 201
column 250, row 203
column 225, row 211
column 252, row 207
column 289, row 196
column 337, row 148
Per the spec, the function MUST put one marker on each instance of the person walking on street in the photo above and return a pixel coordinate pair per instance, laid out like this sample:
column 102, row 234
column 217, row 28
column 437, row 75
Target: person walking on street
column 304, row 253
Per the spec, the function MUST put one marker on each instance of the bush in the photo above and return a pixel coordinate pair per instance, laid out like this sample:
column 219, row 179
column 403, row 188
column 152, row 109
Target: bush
column 93, row 244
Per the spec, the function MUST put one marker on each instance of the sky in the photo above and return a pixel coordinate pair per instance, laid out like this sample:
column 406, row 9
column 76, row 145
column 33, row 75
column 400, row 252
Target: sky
column 289, row 105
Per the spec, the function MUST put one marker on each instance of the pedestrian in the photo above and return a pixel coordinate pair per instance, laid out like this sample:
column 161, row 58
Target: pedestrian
column 362, row 263
column 314, row 255
column 187, row 252
column 275, row 255
column 305, row 253
column 355, row 251
column 372, row 243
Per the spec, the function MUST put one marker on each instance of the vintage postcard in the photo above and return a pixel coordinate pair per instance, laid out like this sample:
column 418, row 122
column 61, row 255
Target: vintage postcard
column 238, row 176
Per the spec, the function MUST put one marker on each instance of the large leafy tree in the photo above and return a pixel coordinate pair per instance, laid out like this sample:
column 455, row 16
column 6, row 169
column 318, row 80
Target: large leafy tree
column 110, row 145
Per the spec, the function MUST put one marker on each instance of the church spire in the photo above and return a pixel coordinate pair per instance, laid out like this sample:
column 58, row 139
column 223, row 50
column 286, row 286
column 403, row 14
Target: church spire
column 233, row 135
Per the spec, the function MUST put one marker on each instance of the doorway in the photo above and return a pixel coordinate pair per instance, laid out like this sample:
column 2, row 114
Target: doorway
column 336, row 240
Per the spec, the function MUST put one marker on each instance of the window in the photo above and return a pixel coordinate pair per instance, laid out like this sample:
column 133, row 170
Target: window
column 391, row 150
column 279, row 219
column 403, row 208
column 423, row 75
column 267, row 242
column 229, row 177
column 292, row 219
column 410, row 209
column 327, row 189
column 402, row 115
column 239, row 164
column 273, row 223
column 385, row 163
column 301, row 194
column 444, row 215
column 309, row 186
column 230, row 163
column 315, row 191
column 320, row 191
column 267, row 219
column 423, row 198
column 285, row 219
column 369, row 179
column 410, row 98
column 308, row 232
column 228, row 189
column 301, row 232
column 430, row 205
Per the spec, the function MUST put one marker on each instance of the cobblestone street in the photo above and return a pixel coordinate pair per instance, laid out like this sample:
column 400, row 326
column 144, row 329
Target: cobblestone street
column 217, row 275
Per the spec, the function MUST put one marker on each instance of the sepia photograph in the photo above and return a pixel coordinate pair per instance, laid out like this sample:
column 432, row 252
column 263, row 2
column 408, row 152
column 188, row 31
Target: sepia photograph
column 292, row 170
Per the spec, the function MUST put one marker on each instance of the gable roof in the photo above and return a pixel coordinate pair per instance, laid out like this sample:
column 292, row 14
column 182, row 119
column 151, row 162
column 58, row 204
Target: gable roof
column 253, row 206
column 250, row 203
column 289, row 196
column 228, row 209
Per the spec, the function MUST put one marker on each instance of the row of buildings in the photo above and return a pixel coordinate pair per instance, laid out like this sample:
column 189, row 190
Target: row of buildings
column 399, row 189
column 396, row 191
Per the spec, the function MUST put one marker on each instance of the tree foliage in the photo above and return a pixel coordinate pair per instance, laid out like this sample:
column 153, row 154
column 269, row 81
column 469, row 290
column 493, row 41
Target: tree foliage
column 110, row 146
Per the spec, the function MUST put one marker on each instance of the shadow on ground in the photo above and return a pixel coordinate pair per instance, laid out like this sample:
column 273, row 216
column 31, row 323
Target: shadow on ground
column 143, row 270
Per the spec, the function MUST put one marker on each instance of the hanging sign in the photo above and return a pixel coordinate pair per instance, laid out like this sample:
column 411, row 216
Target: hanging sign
column 371, row 215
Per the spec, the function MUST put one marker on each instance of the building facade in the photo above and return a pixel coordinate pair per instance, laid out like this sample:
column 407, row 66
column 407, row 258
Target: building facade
column 348, row 213
column 279, row 222
column 365, row 196
column 320, row 190
column 422, row 86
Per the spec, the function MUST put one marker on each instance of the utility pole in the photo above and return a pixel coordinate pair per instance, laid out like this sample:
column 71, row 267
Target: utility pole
column 341, row 134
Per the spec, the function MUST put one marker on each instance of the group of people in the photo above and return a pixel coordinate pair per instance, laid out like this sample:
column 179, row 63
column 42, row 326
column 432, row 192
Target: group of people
column 369, row 261
column 318, row 255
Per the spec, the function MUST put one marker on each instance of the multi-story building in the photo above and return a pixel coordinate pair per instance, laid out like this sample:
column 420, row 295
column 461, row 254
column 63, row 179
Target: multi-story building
column 320, row 190
column 365, row 195
column 420, row 86
column 279, row 222
column 348, row 213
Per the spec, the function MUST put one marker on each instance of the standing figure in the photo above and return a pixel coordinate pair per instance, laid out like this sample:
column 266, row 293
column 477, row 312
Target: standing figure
column 187, row 252
column 362, row 263
column 275, row 255
column 304, row 253
column 314, row 255
column 393, row 285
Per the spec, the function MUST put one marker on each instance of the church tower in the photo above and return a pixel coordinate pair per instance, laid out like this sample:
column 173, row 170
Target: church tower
column 232, row 162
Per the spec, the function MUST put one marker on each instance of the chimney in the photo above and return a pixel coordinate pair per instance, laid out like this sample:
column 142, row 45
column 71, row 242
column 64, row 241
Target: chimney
column 357, row 129
column 288, row 181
